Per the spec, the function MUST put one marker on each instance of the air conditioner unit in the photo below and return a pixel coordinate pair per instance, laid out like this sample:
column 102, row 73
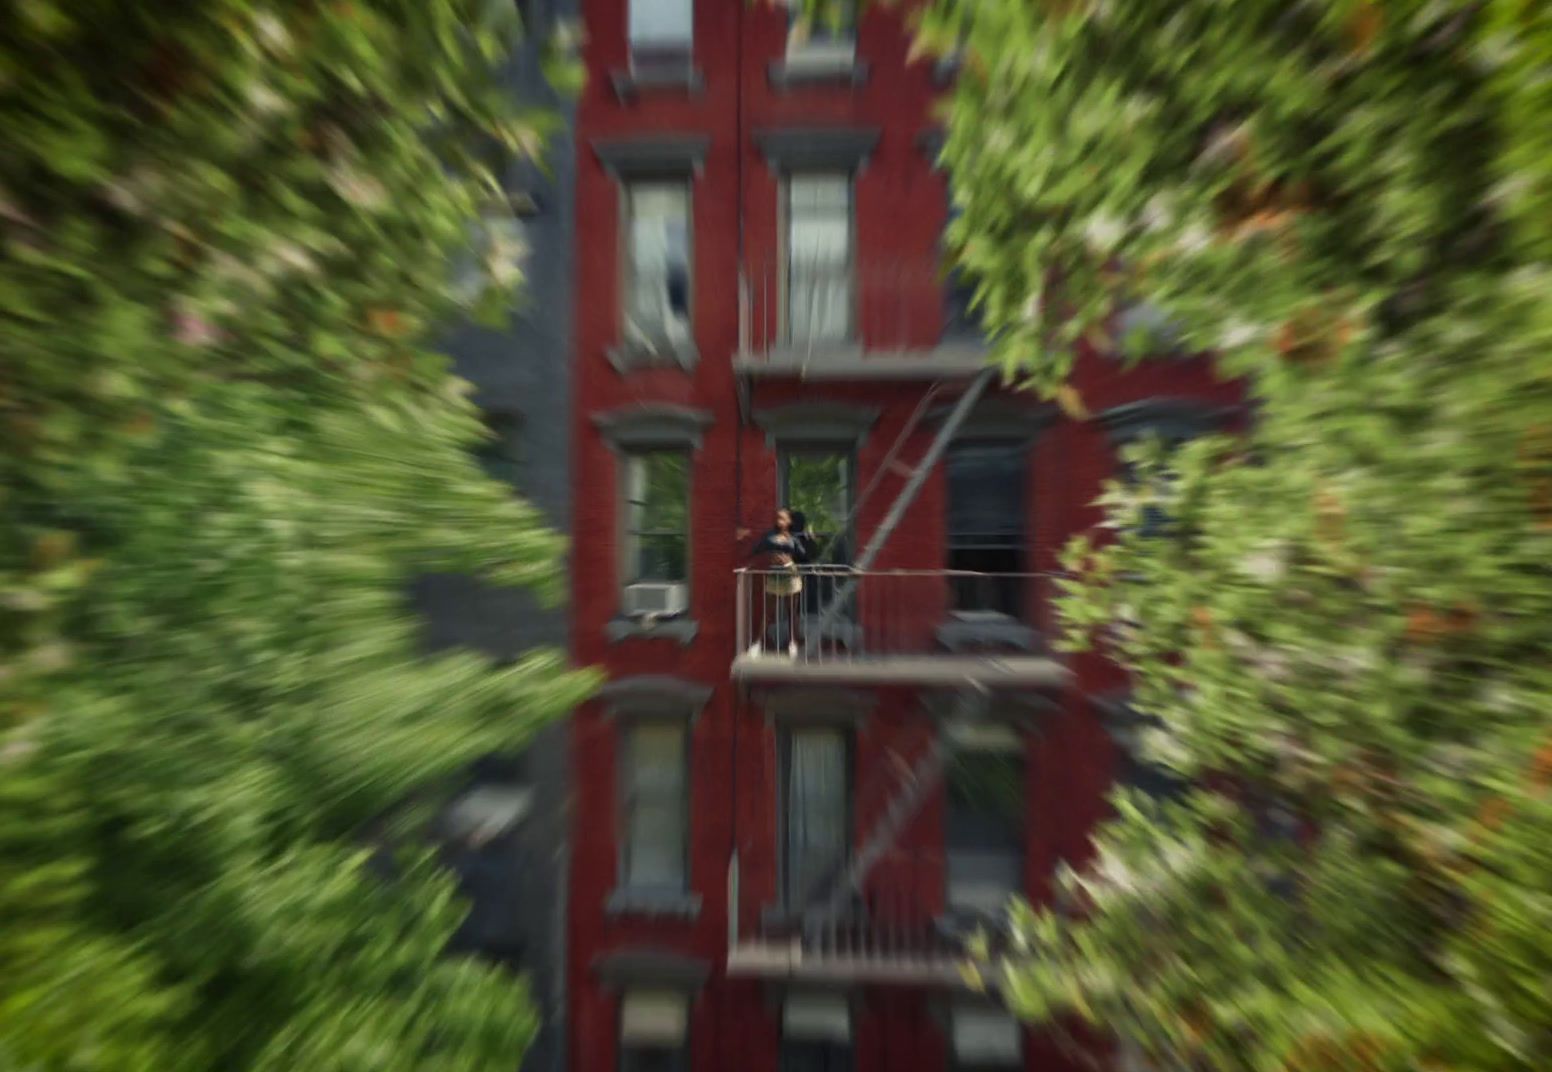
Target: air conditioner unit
column 656, row 599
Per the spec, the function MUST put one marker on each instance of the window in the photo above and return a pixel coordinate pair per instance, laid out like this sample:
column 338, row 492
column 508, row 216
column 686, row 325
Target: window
column 661, row 31
column 819, row 250
column 818, row 482
column 656, row 806
column 816, row 810
column 657, row 284
column 984, row 819
column 816, row 1034
column 830, row 41
column 500, row 455
column 654, row 1031
column 986, row 1038
column 657, row 500
column 1155, row 515
column 961, row 319
column 986, row 525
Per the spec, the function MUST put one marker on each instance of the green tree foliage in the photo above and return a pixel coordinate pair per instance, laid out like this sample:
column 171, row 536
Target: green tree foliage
column 224, row 228
column 1346, row 639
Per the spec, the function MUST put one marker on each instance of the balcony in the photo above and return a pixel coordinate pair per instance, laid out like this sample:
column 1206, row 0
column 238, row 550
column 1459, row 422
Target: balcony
column 896, row 934
column 835, row 624
column 839, row 321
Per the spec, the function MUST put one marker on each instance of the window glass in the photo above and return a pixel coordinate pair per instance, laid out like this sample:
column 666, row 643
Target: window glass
column 820, row 285
column 657, row 287
column 818, row 482
column 803, row 1055
column 655, row 806
column 816, row 1033
column 961, row 319
column 500, row 454
column 657, row 499
column 817, row 810
column 986, row 509
column 661, row 24
column 654, row 1031
column 830, row 38
column 986, row 1038
column 984, row 820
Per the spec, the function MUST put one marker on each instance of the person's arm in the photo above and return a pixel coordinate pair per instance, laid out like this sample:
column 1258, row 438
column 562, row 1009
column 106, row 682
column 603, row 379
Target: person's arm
column 763, row 547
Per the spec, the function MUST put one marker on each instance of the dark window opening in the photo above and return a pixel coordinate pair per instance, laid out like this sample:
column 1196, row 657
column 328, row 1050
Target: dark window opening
column 962, row 319
column 986, row 510
column 810, row 1056
column 984, row 820
column 500, row 454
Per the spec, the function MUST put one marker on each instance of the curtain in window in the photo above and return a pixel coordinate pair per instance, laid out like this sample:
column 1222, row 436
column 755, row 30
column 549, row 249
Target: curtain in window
column 655, row 810
column 816, row 807
column 658, row 297
column 819, row 258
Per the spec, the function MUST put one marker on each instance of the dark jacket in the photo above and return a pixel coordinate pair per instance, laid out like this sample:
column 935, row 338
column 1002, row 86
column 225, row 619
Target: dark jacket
column 800, row 550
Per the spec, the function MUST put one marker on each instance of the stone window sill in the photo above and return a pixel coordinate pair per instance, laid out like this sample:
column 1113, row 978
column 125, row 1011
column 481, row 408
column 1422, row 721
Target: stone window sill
column 996, row 632
column 798, row 72
column 676, row 78
column 658, row 903
column 681, row 628
column 627, row 357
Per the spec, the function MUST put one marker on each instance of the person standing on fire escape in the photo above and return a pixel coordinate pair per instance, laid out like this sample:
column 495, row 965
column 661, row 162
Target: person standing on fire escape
column 787, row 545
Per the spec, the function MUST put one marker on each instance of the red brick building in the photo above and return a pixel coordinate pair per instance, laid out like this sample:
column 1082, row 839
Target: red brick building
column 790, row 809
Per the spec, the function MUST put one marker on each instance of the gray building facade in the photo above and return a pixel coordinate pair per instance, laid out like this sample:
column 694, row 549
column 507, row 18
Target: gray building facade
column 507, row 831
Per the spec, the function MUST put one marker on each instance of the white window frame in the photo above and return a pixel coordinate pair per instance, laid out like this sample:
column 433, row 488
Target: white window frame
column 631, row 464
column 629, row 190
column 851, row 332
column 627, row 784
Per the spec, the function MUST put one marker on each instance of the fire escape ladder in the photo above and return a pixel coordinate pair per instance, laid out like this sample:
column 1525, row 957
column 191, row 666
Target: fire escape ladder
column 890, row 464
column 921, row 779
column 918, row 478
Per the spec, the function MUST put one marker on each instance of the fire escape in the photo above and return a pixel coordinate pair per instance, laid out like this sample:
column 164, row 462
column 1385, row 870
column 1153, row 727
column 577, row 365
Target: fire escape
column 859, row 919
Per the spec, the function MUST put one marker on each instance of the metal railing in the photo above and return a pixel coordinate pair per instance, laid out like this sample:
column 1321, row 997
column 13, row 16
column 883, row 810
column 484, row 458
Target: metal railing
column 820, row 310
column 781, row 613
column 898, row 930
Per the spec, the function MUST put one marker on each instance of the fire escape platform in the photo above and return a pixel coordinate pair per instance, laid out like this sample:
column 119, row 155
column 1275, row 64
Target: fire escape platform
column 926, row 670
column 787, row 960
column 855, row 363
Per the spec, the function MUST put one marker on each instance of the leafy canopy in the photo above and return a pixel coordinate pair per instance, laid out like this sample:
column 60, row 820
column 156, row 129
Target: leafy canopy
column 224, row 451
column 1346, row 640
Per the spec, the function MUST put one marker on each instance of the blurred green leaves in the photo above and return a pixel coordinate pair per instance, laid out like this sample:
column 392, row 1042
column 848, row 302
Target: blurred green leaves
column 1347, row 636
column 225, row 229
